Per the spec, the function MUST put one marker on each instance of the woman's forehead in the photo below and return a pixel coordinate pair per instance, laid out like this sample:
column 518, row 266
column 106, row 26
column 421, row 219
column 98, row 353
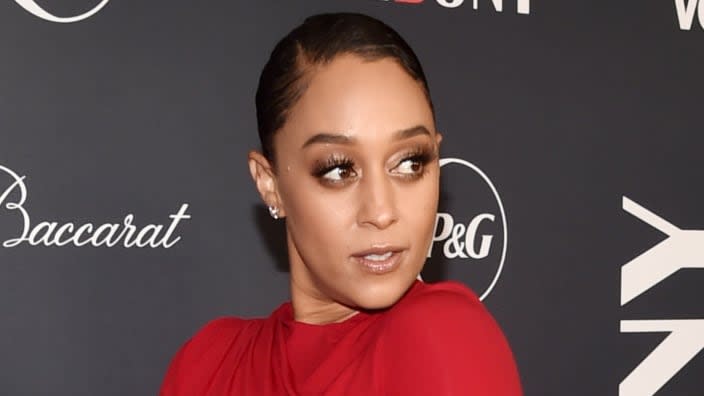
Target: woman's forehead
column 354, row 96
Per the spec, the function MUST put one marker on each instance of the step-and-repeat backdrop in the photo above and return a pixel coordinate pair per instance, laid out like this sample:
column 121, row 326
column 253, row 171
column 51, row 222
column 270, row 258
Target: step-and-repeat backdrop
column 572, row 194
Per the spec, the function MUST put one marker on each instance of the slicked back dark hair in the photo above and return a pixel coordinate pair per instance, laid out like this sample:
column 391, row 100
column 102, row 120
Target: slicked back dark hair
column 316, row 42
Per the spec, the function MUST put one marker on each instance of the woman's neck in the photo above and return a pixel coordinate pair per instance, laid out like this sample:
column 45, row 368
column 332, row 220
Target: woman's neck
column 320, row 313
column 312, row 307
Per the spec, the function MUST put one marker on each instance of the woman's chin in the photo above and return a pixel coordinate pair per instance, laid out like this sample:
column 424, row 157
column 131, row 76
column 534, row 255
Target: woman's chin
column 381, row 295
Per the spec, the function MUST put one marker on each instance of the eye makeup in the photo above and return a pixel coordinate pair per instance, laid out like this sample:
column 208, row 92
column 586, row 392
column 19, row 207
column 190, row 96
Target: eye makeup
column 338, row 168
column 420, row 155
column 335, row 160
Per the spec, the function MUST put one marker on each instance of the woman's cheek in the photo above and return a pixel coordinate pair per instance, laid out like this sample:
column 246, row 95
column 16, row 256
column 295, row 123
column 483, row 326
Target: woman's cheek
column 325, row 212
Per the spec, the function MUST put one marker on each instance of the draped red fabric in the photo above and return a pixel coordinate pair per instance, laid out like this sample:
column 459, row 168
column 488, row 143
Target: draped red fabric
column 438, row 339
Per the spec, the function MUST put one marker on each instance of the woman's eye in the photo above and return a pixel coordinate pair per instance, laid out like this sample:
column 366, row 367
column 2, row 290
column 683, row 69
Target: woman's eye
column 338, row 173
column 410, row 166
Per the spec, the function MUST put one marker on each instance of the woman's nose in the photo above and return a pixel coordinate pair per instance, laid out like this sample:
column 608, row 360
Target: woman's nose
column 377, row 201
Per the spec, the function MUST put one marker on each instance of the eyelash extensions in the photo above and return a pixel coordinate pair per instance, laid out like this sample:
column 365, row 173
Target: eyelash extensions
column 335, row 160
column 421, row 155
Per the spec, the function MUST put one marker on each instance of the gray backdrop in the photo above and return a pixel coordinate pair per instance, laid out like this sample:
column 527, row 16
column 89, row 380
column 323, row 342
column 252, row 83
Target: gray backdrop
column 566, row 107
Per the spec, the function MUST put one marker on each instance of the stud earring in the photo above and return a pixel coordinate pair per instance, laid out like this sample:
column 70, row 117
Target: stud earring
column 274, row 212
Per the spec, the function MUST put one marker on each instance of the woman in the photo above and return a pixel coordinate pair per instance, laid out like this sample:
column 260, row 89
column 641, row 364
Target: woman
column 350, row 160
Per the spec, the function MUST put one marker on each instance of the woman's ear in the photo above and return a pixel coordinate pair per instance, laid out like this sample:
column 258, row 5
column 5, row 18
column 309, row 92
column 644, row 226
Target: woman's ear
column 265, row 179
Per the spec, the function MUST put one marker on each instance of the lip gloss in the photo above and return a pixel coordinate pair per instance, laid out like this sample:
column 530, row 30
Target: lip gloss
column 379, row 267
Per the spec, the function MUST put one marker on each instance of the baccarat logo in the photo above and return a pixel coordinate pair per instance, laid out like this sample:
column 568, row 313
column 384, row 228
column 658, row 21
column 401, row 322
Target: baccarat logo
column 14, row 211
column 522, row 6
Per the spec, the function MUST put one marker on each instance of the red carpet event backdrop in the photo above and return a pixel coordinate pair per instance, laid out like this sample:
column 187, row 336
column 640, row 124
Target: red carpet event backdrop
column 572, row 198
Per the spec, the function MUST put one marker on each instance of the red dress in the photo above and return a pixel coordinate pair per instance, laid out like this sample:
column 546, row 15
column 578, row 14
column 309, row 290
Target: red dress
column 437, row 340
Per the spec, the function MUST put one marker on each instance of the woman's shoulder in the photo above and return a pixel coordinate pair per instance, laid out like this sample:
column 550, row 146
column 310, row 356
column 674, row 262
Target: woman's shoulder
column 446, row 310
column 443, row 336
column 212, row 337
column 217, row 330
column 197, row 359
column 221, row 326
column 447, row 301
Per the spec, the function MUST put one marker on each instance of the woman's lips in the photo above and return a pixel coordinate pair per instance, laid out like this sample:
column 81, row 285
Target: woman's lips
column 379, row 260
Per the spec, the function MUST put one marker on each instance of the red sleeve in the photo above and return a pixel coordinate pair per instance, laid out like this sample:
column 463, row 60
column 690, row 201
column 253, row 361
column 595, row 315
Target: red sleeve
column 445, row 343
column 191, row 369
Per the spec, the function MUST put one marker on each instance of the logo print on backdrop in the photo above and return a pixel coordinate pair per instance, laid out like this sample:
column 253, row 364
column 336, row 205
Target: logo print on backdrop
column 681, row 249
column 456, row 236
column 35, row 9
column 522, row 6
column 686, row 10
column 45, row 233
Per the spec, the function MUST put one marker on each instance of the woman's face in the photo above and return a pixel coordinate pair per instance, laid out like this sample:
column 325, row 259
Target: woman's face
column 357, row 178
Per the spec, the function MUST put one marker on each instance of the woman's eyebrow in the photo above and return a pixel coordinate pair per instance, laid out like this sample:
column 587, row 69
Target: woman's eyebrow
column 329, row 138
column 411, row 132
column 347, row 140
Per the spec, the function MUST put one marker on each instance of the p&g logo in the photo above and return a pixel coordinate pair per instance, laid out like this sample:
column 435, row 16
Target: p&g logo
column 470, row 235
